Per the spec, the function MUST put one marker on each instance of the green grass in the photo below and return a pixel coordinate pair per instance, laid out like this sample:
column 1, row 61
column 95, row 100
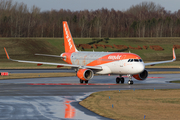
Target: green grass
column 176, row 81
column 25, row 48
column 35, row 75
column 133, row 105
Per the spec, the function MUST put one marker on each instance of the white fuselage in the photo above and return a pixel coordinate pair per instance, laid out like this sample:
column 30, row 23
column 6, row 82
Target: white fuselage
column 111, row 63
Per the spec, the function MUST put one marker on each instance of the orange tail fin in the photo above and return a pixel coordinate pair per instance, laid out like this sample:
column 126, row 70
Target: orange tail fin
column 68, row 40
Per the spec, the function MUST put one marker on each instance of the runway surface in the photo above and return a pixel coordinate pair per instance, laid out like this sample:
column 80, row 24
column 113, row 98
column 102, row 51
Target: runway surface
column 69, row 70
column 57, row 98
column 35, row 70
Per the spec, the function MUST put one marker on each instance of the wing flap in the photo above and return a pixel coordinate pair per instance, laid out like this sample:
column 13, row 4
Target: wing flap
column 58, row 64
column 49, row 55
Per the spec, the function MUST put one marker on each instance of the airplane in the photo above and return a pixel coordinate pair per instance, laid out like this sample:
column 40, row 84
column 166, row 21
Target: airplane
column 86, row 63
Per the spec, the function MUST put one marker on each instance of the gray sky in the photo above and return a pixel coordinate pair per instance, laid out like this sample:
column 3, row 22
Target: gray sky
column 172, row 5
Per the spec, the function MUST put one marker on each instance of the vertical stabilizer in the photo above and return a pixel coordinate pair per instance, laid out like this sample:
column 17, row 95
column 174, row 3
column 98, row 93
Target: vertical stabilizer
column 68, row 41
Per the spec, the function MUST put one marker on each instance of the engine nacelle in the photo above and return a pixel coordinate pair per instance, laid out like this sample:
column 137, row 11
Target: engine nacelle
column 85, row 74
column 141, row 76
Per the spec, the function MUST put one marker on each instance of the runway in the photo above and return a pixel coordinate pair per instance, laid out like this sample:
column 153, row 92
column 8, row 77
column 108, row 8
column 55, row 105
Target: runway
column 35, row 70
column 69, row 70
column 57, row 98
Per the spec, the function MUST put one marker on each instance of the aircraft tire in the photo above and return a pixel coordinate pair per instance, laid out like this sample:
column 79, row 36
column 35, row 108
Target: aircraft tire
column 118, row 80
column 130, row 82
column 86, row 81
column 122, row 80
column 81, row 81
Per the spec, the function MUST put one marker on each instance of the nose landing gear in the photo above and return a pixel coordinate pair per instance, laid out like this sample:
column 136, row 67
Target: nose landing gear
column 130, row 82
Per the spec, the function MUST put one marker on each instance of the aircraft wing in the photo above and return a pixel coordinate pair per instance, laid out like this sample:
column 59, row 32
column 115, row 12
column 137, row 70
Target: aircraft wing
column 160, row 62
column 56, row 64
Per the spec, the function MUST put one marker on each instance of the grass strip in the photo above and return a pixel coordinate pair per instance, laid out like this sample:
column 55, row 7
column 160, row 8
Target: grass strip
column 135, row 104
column 164, row 72
column 178, row 81
column 35, row 75
column 44, row 75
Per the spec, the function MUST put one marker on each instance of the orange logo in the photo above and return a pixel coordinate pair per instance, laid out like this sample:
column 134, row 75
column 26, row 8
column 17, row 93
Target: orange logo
column 67, row 36
column 114, row 57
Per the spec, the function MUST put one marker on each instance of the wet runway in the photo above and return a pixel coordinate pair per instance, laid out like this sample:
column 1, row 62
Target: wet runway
column 57, row 98
column 69, row 70
column 35, row 70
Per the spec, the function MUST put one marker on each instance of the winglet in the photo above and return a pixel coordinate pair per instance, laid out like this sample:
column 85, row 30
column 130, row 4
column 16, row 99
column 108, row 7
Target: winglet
column 174, row 55
column 6, row 53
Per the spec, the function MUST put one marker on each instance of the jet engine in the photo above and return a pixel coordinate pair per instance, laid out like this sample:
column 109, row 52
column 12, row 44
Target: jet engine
column 141, row 76
column 85, row 74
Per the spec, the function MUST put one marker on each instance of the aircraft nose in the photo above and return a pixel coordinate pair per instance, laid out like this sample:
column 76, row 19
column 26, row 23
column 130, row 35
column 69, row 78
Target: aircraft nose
column 140, row 67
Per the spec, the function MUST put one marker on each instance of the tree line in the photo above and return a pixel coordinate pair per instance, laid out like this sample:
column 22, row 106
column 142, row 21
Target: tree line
column 146, row 19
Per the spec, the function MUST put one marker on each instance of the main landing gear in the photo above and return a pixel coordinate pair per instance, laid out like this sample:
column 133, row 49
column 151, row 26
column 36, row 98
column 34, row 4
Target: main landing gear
column 120, row 79
column 81, row 81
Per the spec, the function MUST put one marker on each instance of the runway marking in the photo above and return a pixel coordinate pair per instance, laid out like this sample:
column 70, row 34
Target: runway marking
column 81, row 83
column 147, row 77
column 70, row 84
column 155, row 77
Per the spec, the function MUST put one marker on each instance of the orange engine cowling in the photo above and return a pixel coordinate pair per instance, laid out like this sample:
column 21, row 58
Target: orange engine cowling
column 85, row 74
column 141, row 76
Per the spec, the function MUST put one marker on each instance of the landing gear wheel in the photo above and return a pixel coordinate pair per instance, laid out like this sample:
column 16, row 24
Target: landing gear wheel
column 118, row 80
column 122, row 80
column 81, row 81
column 86, row 81
column 130, row 82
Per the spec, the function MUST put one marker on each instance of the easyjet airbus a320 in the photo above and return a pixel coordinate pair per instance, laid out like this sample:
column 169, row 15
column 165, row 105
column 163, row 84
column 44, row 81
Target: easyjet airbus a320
column 86, row 64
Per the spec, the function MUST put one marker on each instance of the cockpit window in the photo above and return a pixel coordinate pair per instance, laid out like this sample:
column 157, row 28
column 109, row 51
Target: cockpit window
column 135, row 60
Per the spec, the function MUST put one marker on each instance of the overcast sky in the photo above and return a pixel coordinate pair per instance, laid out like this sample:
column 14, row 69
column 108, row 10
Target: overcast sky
column 74, row 5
